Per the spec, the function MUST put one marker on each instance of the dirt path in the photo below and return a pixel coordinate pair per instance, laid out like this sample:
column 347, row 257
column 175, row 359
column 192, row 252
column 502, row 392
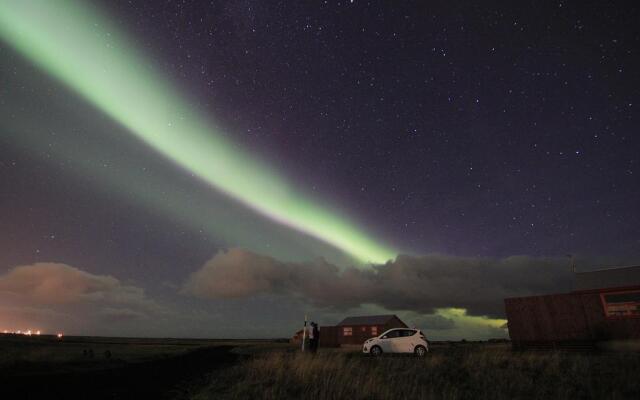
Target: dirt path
column 157, row 379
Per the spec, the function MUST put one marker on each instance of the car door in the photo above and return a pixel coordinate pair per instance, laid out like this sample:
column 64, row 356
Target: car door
column 387, row 340
column 413, row 339
column 404, row 342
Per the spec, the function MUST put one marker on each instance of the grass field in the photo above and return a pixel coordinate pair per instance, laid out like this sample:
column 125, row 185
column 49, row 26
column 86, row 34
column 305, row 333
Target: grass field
column 23, row 354
column 112, row 368
column 238, row 369
column 462, row 372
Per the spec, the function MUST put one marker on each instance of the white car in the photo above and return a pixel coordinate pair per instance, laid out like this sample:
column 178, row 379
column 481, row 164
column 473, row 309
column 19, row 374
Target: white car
column 398, row 340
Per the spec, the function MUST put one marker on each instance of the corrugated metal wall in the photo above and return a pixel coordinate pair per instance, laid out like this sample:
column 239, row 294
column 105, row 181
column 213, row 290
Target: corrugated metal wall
column 564, row 318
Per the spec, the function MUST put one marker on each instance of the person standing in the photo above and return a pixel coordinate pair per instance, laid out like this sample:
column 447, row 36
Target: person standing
column 310, row 341
column 315, row 334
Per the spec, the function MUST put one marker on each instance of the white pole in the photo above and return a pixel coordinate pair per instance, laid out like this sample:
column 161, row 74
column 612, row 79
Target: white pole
column 304, row 332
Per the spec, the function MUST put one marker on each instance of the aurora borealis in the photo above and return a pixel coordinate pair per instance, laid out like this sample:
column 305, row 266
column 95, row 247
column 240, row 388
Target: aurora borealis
column 222, row 168
column 98, row 62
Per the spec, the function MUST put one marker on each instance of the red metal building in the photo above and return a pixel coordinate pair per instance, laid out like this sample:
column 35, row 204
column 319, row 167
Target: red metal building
column 605, row 305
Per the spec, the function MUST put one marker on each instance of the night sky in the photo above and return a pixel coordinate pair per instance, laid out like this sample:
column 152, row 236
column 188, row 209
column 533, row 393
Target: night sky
column 386, row 151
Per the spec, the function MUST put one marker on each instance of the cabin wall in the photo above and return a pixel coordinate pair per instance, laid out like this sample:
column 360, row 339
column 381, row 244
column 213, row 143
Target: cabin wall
column 358, row 334
column 329, row 336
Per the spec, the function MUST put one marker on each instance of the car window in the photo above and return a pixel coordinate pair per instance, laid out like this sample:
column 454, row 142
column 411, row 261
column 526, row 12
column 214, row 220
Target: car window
column 408, row 332
column 392, row 334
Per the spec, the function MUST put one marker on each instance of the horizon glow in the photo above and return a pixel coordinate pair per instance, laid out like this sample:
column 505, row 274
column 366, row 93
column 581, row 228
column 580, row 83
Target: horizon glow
column 80, row 47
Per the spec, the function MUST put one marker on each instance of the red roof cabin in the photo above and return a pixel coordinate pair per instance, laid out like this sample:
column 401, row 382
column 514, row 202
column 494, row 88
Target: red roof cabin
column 355, row 330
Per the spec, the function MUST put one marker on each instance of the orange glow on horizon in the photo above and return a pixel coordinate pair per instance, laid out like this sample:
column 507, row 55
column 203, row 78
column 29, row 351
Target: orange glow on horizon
column 27, row 332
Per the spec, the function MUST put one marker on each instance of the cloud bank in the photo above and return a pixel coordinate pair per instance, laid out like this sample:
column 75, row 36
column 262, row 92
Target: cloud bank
column 417, row 283
column 53, row 295
column 52, row 283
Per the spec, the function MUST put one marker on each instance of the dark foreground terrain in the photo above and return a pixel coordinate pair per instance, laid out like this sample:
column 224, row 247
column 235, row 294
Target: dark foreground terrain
column 107, row 368
column 190, row 369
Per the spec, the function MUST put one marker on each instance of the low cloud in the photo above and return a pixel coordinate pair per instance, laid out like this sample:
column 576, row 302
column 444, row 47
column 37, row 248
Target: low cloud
column 121, row 314
column 434, row 322
column 53, row 295
column 416, row 283
column 52, row 283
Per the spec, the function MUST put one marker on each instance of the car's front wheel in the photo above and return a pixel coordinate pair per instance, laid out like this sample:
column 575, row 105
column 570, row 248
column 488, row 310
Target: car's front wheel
column 420, row 351
column 376, row 351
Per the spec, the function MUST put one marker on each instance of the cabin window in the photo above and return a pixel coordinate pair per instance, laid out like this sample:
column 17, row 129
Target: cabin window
column 347, row 331
column 374, row 330
column 621, row 304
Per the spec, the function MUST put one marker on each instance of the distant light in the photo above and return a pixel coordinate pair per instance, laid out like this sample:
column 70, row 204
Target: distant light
column 37, row 332
column 59, row 335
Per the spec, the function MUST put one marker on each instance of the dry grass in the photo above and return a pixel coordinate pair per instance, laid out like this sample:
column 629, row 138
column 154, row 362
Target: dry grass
column 468, row 373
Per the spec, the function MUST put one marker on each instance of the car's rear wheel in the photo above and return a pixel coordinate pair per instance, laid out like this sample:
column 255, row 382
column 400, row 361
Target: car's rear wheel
column 376, row 351
column 420, row 351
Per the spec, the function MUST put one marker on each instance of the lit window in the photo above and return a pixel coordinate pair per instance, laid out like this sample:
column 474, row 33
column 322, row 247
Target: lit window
column 364, row 329
column 374, row 330
column 347, row 331
column 621, row 304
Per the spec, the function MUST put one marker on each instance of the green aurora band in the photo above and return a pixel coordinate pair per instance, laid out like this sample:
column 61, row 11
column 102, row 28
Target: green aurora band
column 76, row 44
